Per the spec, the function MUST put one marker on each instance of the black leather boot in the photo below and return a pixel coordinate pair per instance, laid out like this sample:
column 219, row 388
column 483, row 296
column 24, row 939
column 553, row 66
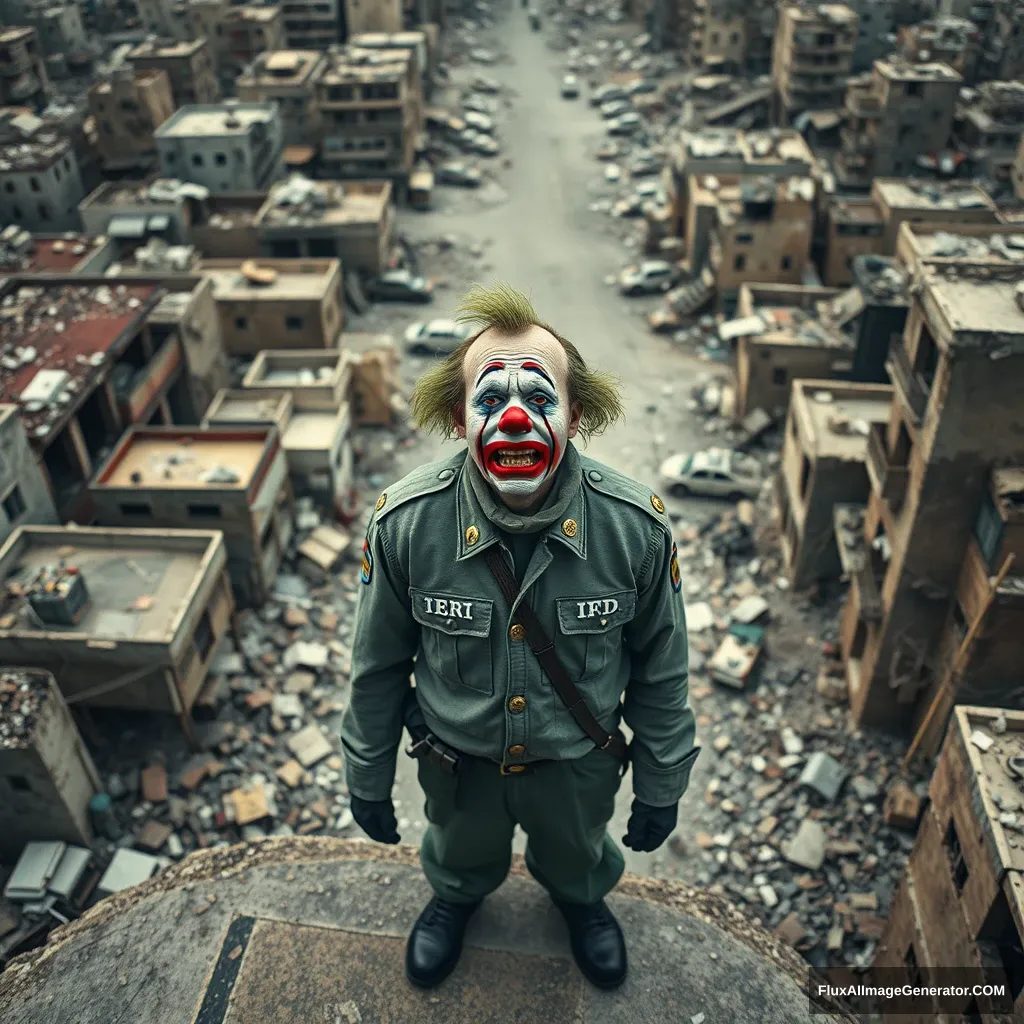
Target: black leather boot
column 598, row 945
column 435, row 942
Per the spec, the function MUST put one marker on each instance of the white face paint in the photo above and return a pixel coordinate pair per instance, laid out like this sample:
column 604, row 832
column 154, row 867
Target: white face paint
column 517, row 415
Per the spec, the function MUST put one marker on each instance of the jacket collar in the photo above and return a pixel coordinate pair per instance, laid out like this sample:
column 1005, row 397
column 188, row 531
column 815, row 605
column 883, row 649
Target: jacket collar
column 476, row 533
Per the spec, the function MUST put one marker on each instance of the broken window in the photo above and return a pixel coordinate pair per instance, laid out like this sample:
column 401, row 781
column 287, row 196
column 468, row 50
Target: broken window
column 241, row 323
column 203, row 637
column 988, row 530
column 955, row 854
column 744, row 239
column 196, row 511
column 136, row 509
column 739, row 262
column 293, row 323
column 786, row 262
column 926, row 357
column 805, row 471
column 915, row 89
column 779, row 376
column 14, row 505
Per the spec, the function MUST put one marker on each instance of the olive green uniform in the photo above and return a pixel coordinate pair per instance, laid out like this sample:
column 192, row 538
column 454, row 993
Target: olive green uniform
column 604, row 581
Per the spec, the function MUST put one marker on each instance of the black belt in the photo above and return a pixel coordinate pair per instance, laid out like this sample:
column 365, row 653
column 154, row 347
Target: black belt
column 448, row 759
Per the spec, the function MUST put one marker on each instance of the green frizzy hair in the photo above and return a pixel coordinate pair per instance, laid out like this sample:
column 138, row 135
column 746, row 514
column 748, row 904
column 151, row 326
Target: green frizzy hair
column 441, row 391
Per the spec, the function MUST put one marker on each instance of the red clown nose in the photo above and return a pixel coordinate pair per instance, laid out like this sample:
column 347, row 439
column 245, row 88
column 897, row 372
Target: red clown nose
column 514, row 421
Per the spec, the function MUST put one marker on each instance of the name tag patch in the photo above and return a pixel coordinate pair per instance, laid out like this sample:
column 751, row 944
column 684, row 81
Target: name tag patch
column 590, row 609
column 366, row 572
column 447, row 607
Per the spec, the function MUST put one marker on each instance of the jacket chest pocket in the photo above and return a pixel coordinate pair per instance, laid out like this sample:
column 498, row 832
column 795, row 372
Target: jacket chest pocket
column 455, row 639
column 591, row 631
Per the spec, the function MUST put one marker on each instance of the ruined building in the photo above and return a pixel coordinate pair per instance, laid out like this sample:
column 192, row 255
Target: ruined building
column 944, row 40
column 812, row 57
column 954, row 418
column 128, row 108
column 23, row 78
column 989, row 128
column 903, row 111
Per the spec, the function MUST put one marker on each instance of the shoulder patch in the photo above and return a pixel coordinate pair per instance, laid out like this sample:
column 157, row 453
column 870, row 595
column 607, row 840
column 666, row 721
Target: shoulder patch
column 614, row 484
column 366, row 573
column 673, row 570
column 427, row 479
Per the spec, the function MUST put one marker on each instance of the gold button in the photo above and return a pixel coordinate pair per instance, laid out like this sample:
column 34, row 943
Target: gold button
column 659, row 505
column 516, row 768
column 516, row 749
column 517, row 632
column 517, row 704
column 381, row 500
column 569, row 527
column 472, row 535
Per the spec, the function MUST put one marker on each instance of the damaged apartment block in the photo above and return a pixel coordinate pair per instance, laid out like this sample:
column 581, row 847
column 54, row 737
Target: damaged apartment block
column 84, row 362
column 235, row 481
column 47, row 777
column 122, row 618
column 955, row 416
column 827, row 434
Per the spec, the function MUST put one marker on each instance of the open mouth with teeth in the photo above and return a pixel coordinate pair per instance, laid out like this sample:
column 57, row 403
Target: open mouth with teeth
column 529, row 459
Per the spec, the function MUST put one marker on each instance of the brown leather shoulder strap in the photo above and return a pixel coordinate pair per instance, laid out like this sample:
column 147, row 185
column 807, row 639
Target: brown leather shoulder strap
column 544, row 651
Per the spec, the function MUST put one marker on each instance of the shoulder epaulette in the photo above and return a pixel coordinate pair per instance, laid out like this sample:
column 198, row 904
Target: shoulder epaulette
column 426, row 479
column 614, row 484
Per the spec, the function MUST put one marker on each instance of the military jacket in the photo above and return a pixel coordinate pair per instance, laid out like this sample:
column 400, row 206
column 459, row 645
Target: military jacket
column 604, row 582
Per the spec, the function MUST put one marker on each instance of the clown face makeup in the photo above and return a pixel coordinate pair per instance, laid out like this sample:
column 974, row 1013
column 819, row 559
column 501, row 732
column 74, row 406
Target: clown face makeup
column 517, row 415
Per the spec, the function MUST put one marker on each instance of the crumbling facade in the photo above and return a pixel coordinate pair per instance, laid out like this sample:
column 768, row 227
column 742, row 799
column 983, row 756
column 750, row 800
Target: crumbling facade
column 961, row 899
column 40, row 184
column 287, row 78
column 23, row 78
column 946, row 204
column 128, row 107
column 854, row 227
column 189, row 66
column 948, row 40
column 373, row 16
column 763, row 229
column 812, row 57
column 903, row 113
column 989, row 130
column 372, row 113
column 964, row 337
column 311, row 24
column 823, row 456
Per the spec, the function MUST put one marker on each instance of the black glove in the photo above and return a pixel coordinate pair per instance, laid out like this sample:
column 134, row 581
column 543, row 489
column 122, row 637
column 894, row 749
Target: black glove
column 649, row 826
column 376, row 818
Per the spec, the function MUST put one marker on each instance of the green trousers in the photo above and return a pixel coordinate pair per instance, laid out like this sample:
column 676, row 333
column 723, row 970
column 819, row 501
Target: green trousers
column 562, row 806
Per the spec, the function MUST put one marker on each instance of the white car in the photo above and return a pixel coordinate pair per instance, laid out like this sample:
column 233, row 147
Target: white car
column 438, row 337
column 570, row 87
column 625, row 124
column 648, row 278
column 615, row 108
column 478, row 122
column 715, row 473
column 485, row 145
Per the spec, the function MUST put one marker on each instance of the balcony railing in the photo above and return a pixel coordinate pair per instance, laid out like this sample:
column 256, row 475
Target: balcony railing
column 908, row 384
column 888, row 480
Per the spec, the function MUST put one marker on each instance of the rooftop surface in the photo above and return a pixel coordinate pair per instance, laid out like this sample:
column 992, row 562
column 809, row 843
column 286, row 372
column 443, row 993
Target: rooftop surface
column 182, row 460
column 215, row 119
column 305, row 283
column 835, row 427
column 324, row 202
column 248, row 407
column 69, row 328
column 313, row 929
column 904, row 70
column 137, row 587
column 281, row 68
column 931, row 196
column 847, row 211
column 983, row 306
column 166, row 51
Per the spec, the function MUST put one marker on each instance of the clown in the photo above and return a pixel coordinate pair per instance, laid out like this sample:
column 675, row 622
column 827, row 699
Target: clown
column 534, row 595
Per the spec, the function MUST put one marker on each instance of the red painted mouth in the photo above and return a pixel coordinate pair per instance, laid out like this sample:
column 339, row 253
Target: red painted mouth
column 523, row 459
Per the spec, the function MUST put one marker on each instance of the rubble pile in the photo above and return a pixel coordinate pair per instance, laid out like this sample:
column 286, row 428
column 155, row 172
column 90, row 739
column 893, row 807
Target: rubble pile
column 802, row 820
column 266, row 724
column 22, row 695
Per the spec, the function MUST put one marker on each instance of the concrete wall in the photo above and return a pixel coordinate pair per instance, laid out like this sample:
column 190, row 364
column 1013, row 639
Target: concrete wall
column 44, row 199
column 766, row 370
column 46, row 787
column 24, row 493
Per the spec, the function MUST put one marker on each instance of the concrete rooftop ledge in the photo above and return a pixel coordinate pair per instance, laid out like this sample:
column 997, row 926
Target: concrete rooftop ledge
column 313, row 929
